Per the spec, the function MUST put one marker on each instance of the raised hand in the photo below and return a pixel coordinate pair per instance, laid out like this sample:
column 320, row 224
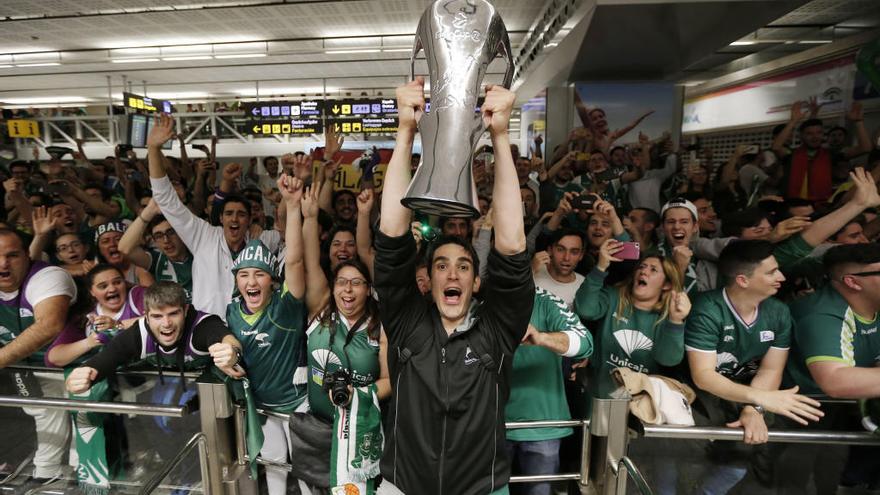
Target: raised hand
column 496, row 108
column 43, row 223
column 797, row 113
column 309, row 203
column 161, row 132
column 332, row 142
column 411, row 103
column 365, row 201
column 291, row 189
column 606, row 253
column 682, row 256
column 232, row 172
column 679, row 307
column 788, row 227
column 540, row 259
column 855, row 113
column 866, row 194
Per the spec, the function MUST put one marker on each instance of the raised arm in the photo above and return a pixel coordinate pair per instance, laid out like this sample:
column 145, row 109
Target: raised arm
column 632, row 125
column 864, row 196
column 317, row 288
column 43, row 224
column 130, row 243
column 364, row 235
column 395, row 218
column 510, row 236
column 294, row 272
column 797, row 114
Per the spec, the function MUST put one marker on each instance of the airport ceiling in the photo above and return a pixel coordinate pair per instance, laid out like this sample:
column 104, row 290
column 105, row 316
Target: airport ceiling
column 63, row 51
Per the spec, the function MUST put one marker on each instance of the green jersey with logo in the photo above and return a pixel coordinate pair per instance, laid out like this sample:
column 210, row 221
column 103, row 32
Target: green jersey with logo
column 537, row 390
column 714, row 326
column 272, row 343
column 829, row 330
column 163, row 268
column 360, row 357
column 629, row 338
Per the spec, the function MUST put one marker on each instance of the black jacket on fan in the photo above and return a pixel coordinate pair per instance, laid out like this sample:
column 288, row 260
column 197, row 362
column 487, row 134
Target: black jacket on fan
column 445, row 433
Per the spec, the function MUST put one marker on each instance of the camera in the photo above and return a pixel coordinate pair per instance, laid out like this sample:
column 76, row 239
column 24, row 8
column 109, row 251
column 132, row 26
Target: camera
column 337, row 384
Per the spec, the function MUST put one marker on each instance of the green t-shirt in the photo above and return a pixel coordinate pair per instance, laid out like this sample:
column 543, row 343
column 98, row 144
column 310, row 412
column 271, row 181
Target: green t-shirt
column 829, row 330
column 537, row 390
column 163, row 268
column 360, row 357
column 714, row 326
column 633, row 339
column 271, row 348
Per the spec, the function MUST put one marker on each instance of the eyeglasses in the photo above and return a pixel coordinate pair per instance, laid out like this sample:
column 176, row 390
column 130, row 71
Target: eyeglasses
column 160, row 236
column 69, row 247
column 864, row 274
column 344, row 282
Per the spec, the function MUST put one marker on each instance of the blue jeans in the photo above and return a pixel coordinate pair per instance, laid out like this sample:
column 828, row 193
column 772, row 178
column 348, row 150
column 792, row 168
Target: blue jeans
column 538, row 457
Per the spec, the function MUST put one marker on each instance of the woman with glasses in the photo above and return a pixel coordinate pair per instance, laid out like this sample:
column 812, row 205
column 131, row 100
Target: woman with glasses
column 269, row 323
column 170, row 260
column 67, row 250
column 347, row 367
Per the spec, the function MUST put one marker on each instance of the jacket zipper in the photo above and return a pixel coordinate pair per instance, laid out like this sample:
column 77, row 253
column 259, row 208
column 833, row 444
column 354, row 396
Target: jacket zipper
column 445, row 413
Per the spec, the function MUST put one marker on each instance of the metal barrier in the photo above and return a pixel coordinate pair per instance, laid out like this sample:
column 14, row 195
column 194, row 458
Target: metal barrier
column 94, row 406
column 629, row 468
column 197, row 440
column 786, row 436
column 581, row 477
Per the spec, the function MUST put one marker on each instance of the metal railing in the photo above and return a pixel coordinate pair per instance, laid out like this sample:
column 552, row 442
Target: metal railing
column 786, row 436
column 581, row 476
column 95, row 406
column 632, row 472
column 197, row 440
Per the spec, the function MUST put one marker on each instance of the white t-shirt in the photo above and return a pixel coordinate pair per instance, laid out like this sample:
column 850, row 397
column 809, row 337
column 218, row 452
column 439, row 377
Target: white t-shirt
column 49, row 282
column 562, row 290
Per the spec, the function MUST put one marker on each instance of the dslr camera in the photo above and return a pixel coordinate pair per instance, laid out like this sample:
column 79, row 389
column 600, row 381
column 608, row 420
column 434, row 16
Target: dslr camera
column 337, row 384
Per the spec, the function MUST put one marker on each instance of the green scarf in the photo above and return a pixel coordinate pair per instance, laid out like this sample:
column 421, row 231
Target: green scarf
column 92, row 446
column 357, row 442
column 241, row 392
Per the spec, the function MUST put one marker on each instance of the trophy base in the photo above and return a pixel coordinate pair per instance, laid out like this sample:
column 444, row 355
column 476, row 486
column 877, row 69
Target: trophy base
column 441, row 207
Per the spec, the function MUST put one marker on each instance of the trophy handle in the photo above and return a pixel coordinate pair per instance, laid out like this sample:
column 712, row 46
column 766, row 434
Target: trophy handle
column 505, row 51
column 417, row 47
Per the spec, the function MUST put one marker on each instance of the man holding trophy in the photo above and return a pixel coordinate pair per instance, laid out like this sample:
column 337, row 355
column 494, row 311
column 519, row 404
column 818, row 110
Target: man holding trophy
column 450, row 359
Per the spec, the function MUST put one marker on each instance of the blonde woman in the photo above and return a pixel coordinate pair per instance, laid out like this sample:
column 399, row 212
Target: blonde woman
column 642, row 318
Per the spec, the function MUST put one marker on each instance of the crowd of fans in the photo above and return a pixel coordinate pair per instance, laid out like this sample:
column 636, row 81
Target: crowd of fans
column 400, row 344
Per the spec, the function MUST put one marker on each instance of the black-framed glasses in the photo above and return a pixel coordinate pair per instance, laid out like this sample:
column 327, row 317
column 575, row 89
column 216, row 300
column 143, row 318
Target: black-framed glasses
column 160, row 236
column 354, row 282
column 864, row 274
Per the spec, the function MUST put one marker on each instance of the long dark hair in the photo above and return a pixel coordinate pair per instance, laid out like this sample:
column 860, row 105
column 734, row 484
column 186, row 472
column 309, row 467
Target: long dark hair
column 371, row 308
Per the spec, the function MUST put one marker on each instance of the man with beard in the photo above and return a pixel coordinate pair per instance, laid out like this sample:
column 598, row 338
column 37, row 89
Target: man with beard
column 452, row 361
column 554, row 268
column 34, row 301
column 171, row 335
column 172, row 261
column 344, row 207
column 214, row 248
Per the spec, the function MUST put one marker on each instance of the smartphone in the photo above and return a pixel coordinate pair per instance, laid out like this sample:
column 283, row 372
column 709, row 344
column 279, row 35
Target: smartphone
column 583, row 202
column 57, row 188
column 124, row 148
column 630, row 251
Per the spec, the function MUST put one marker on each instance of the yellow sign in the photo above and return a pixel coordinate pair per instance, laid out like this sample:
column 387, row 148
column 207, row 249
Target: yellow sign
column 19, row 128
column 346, row 109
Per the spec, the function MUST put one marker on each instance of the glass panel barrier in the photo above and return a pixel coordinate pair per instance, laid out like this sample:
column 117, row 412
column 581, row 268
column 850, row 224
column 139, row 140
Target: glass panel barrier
column 110, row 440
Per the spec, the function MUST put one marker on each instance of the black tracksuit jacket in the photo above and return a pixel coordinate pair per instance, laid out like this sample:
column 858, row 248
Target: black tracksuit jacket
column 445, row 433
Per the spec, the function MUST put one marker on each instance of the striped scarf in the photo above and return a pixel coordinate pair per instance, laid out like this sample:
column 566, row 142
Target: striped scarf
column 357, row 444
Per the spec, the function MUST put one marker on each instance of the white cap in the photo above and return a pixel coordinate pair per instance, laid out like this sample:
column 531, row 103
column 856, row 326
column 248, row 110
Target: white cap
column 680, row 203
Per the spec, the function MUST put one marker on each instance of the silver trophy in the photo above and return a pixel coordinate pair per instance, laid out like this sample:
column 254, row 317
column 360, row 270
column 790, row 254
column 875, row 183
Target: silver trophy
column 460, row 38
